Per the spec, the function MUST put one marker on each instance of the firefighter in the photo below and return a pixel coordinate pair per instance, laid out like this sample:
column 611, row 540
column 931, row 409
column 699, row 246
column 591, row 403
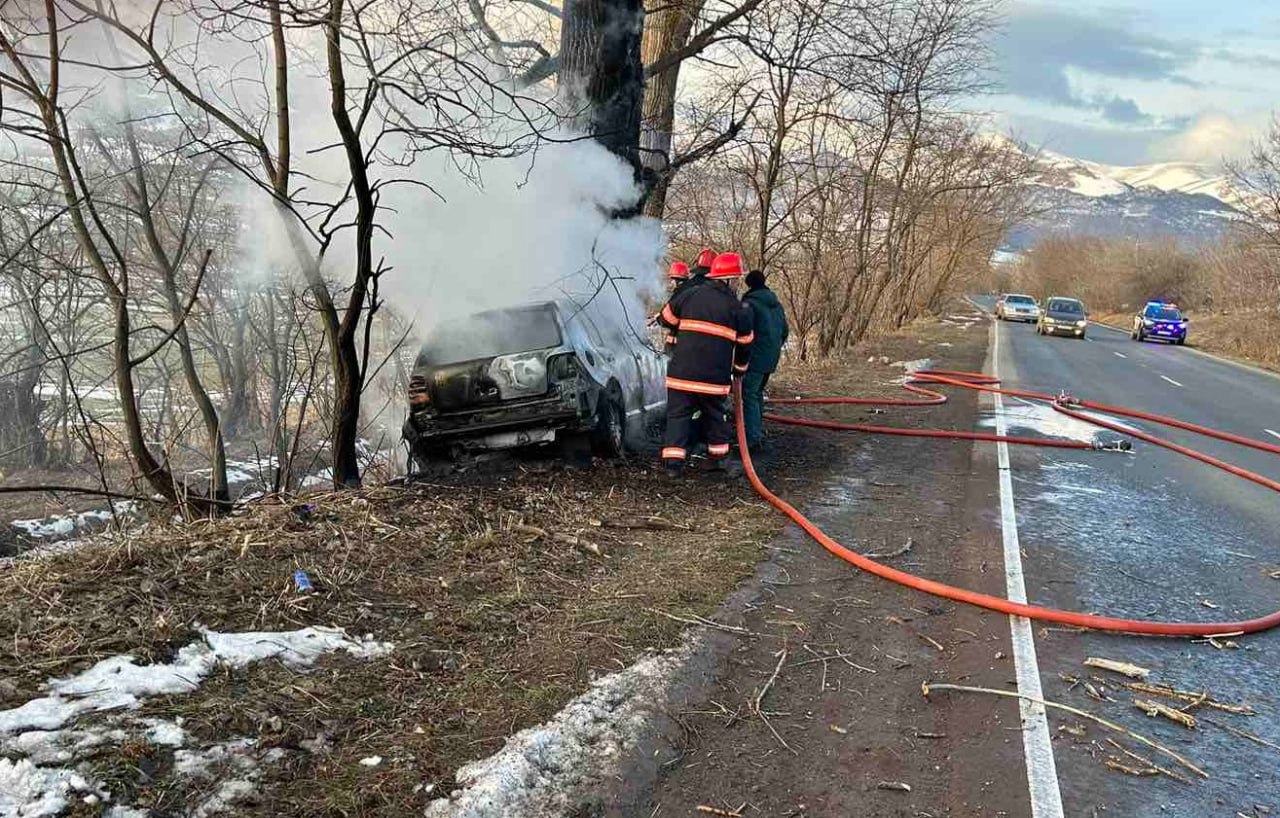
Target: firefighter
column 769, row 322
column 677, row 280
column 713, row 331
column 701, row 267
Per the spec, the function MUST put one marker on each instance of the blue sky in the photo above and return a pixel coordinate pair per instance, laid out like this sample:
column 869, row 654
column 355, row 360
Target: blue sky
column 1138, row 81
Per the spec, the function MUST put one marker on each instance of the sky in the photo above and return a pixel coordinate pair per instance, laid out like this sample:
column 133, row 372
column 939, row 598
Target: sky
column 1137, row 81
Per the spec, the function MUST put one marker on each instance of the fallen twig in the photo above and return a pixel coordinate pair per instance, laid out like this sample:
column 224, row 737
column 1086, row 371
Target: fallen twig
column 1245, row 734
column 1151, row 764
column 758, row 700
column 899, row 786
column 1123, row 668
column 926, row 688
column 578, row 542
column 871, row 555
column 1189, row 696
column 653, row 523
column 707, row 623
column 1154, row 708
column 725, row 813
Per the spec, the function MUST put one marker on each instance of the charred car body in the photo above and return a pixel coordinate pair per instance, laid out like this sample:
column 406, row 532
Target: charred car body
column 535, row 373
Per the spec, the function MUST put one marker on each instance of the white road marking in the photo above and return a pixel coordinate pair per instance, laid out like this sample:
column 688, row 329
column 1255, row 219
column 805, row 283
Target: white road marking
column 1119, row 355
column 1170, row 380
column 1042, row 771
column 1272, row 432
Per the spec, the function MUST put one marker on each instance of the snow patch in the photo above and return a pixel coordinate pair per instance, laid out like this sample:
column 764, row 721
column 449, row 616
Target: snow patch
column 36, row 730
column 28, row 791
column 1045, row 420
column 63, row 524
column 547, row 770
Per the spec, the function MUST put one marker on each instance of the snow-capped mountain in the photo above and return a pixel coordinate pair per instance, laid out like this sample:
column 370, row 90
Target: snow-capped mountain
column 1190, row 202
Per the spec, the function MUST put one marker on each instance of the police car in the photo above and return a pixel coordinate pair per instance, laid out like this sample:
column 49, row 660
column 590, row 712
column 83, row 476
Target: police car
column 1160, row 319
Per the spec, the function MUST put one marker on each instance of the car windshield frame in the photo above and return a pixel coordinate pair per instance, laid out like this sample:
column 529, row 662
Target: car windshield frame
column 1067, row 305
column 1158, row 312
column 492, row 334
column 1020, row 299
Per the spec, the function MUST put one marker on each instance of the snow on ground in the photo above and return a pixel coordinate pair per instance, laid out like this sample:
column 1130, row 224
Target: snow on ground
column 63, row 524
column 550, row 769
column 28, row 791
column 1045, row 420
column 42, row 780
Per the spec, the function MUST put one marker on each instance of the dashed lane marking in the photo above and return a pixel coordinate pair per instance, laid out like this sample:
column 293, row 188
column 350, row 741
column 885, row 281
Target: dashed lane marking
column 1170, row 380
column 1119, row 355
column 1272, row 432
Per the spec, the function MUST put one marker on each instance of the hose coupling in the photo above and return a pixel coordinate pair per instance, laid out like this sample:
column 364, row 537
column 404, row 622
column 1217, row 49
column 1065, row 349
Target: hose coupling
column 1121, row 445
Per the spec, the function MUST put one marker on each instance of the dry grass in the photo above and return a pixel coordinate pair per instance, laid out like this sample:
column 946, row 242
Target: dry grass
column 495, row 625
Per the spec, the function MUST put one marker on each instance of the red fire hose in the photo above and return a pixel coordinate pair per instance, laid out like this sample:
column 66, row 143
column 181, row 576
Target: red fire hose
column 1064, row 404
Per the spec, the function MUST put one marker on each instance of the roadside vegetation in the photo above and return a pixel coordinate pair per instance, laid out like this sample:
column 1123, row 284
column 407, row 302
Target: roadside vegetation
column 1230, row 288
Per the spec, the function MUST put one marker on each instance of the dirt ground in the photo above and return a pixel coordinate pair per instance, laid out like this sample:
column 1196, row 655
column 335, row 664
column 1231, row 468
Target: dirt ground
column 506, row 590
column 819, row 712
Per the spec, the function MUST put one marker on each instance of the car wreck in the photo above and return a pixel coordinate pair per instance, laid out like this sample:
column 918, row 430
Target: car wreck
column 540, row 373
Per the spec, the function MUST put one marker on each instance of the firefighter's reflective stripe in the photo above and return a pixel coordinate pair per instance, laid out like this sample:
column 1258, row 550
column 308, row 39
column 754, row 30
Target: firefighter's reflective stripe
column 708, row 328
column 671, row 339
column 673, row 453
column 718, row 450
column 746, row 339
column 669, row 316
column 701, row 387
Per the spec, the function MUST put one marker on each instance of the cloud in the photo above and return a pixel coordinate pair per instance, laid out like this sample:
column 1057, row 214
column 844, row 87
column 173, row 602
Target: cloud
column 1247, row 60
column 1209, row 138
column 1124, row 112
column 1040, row 47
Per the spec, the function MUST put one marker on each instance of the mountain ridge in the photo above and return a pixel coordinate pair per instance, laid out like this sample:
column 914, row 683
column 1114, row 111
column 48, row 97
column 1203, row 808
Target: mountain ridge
column 1193, row 203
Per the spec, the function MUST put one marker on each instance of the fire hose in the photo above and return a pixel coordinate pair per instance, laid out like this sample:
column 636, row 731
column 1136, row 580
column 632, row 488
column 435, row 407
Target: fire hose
column 1066, row 405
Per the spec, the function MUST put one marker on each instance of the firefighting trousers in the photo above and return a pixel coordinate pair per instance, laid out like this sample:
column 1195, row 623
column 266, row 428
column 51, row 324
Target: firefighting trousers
column 714, row 419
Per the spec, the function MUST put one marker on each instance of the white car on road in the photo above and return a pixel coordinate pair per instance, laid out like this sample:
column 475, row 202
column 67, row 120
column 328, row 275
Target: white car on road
column 1017, row 307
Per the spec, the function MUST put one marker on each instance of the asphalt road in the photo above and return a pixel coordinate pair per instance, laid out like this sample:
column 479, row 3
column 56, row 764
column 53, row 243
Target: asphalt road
column 1152, row 534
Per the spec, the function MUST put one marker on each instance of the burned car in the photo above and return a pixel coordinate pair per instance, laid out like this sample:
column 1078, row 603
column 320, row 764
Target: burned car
column 548, row 372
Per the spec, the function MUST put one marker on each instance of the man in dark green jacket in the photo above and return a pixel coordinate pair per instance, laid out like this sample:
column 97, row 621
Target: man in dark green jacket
column 770, row 323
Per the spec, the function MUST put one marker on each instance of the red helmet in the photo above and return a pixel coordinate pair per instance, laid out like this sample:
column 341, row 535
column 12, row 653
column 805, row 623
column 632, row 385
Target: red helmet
column 679, row 271
column 706, row 258
column 726, row 265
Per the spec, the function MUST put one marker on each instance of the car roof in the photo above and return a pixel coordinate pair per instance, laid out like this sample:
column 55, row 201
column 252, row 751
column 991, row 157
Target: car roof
column 1065, row 298
column 1018, row 295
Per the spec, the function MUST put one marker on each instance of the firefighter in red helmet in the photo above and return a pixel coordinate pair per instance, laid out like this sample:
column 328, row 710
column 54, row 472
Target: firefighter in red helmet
column 713, row 332
column 677, row 275
column 702, row 266
column 677, row 279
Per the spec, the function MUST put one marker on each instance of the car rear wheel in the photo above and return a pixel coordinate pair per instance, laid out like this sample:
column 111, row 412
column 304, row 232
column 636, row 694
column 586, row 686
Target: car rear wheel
column 609, row 437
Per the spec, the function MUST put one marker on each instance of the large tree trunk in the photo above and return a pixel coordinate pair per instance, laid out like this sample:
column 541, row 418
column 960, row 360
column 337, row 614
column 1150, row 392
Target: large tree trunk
column 602, row 76
column 666, row 29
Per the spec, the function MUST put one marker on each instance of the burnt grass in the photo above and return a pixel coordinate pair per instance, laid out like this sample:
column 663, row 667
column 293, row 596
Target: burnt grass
column 487, row 581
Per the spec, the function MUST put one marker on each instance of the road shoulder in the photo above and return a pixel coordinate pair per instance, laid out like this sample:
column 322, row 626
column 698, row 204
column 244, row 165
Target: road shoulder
column 819, row 710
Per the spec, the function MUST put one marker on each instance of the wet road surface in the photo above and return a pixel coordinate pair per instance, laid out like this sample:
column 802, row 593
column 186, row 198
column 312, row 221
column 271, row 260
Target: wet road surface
column 1152, row 535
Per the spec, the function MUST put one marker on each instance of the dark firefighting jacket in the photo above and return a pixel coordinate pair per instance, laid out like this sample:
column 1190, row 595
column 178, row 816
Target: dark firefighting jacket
column 698, row 278
column 713, row 338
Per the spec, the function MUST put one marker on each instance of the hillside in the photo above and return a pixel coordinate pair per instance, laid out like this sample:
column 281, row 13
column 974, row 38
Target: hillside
column 1188, row 201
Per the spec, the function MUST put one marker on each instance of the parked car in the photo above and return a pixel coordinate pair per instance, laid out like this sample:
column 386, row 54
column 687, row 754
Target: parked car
column 533, row 374
column 1063, row 316
column 1160, row 319
column 1017, row 307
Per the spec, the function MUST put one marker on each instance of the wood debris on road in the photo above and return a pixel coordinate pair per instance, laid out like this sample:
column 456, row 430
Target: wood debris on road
column 1154, row 708
column 1123, row 668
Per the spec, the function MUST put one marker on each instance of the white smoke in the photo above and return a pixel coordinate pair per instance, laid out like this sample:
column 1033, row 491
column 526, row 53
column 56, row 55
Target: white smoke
column 533, row 227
